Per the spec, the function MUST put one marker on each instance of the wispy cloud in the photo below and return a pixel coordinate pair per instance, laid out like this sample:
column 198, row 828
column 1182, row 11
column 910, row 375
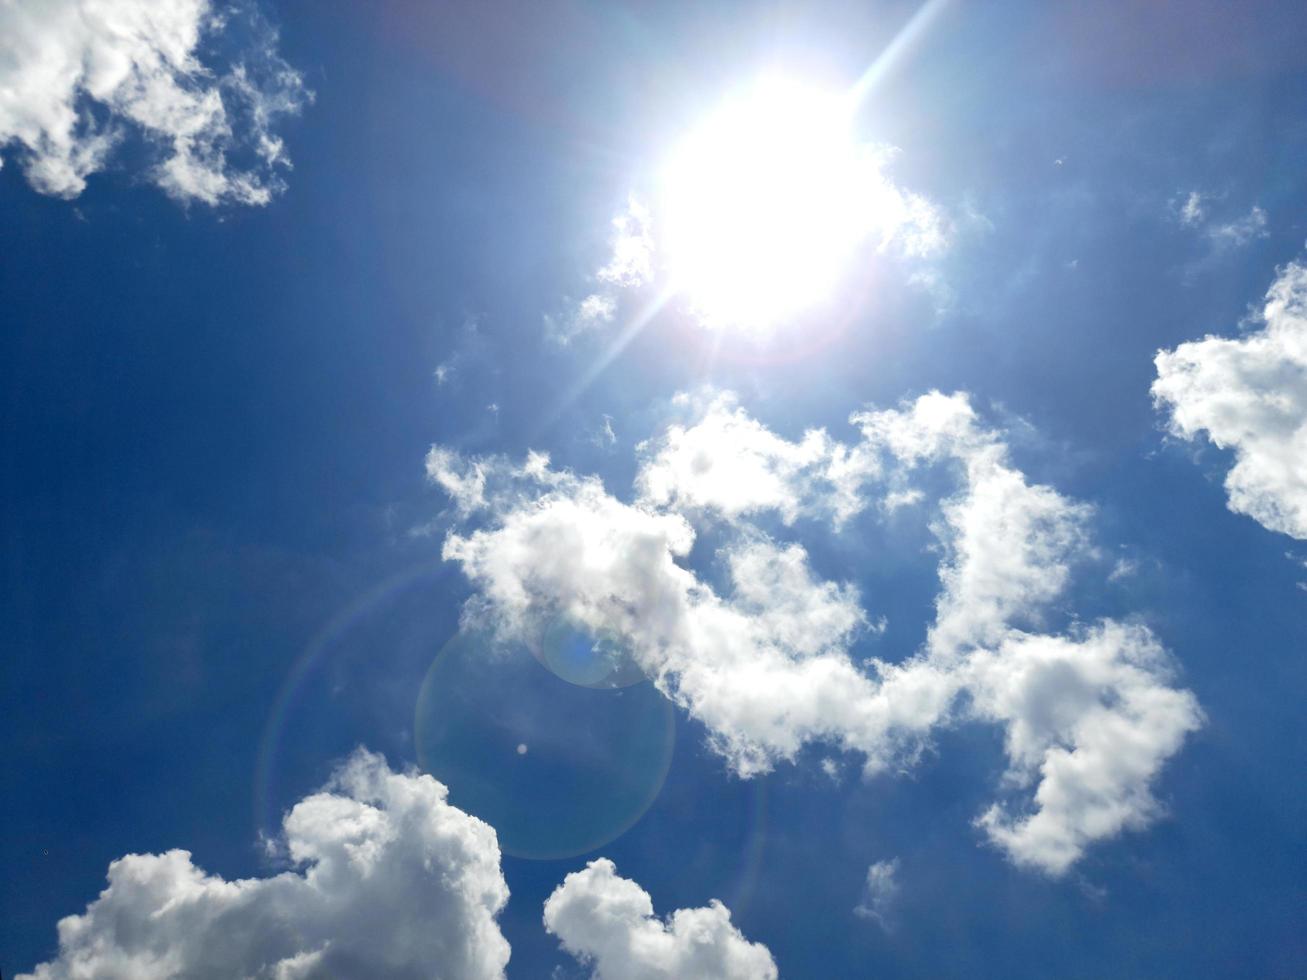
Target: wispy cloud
column 77, row 77
column 1223, row 228
column 604, row 437
column 630, row 267
column 880, row 894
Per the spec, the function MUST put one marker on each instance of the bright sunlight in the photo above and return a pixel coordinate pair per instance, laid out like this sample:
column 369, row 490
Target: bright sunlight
column 765, row 202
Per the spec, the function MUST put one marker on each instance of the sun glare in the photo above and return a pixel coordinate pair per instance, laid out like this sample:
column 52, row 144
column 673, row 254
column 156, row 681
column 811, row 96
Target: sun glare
column 764, row 203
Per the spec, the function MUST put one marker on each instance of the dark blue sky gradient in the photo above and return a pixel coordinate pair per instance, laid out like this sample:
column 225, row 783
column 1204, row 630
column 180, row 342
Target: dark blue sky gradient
column 214, row 425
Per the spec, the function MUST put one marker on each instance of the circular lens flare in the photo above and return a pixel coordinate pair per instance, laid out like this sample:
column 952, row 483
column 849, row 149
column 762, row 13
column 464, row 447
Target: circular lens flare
column 576, row 655
column 556, row 768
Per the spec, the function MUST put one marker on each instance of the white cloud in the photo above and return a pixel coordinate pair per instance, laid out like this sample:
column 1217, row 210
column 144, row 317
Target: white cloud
column 77, row 75
column 904, row 221
column 393, row 882
column 608, row 923
column 604, row 437
column 1008, row 545
column 632, row 262
column 880, row 894
column 593, row 312
column 1249, row 395
column 1192, row 212
column 1241, row 230
column 466, row 486
column 1233, row 231
column 932, row 282
column 1090, row 719
column 630, row 266
column 731, row 464
column 1123, row 569
column 763, row 679
column 766, row 664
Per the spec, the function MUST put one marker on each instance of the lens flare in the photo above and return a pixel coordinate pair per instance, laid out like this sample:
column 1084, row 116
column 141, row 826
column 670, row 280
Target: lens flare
column 386, row 617
column 579, row 657
column 556, row 767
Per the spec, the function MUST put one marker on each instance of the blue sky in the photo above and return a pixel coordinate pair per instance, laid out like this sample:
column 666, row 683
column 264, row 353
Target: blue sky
column 268, row 495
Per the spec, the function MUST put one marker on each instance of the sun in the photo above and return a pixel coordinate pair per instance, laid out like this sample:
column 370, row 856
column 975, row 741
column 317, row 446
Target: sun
column 764, row 203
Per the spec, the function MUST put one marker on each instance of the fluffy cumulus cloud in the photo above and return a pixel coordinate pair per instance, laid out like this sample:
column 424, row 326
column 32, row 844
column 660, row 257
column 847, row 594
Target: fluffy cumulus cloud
column 766, row 669
column 79, row 76
column 1008, row 544
column 764, row 659
column 391, row 881
column 1089, row 721
column 729, row 464
column 1249, row 394
column 608, row 922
